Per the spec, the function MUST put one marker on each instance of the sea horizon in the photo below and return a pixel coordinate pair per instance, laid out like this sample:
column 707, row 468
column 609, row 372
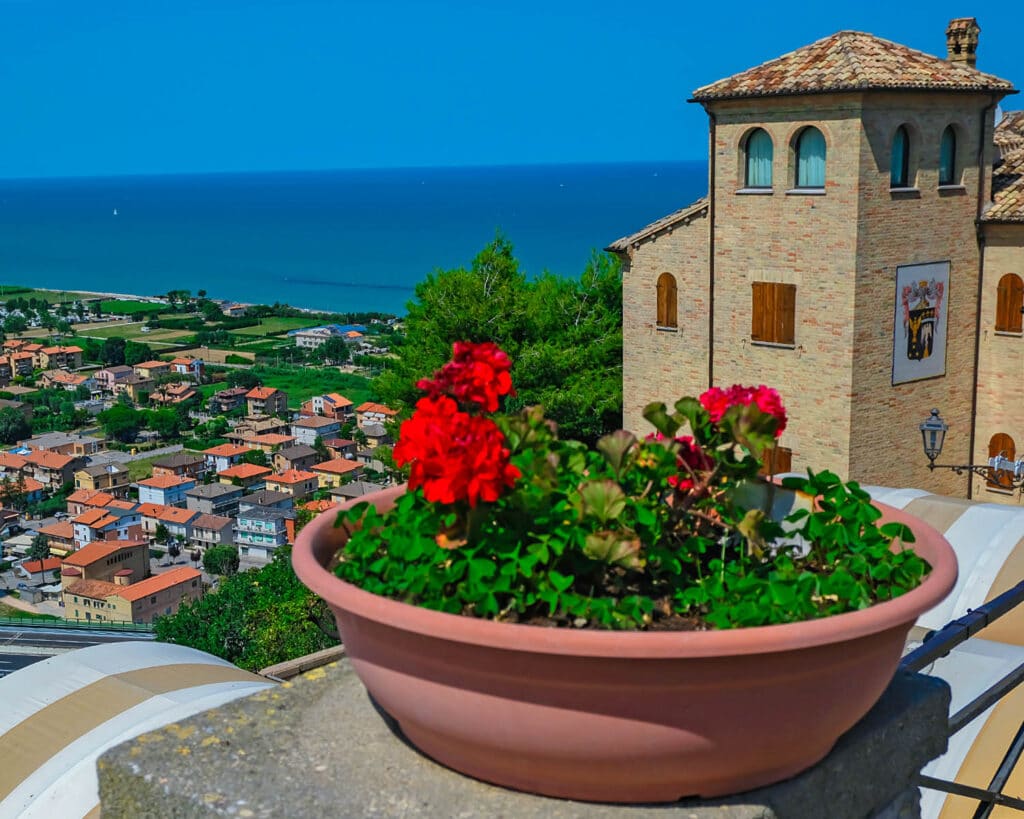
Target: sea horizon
column 341, row 240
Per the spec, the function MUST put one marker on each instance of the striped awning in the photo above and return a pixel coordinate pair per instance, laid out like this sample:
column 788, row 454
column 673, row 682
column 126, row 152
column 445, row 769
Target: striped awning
column 989, row 542
column 60, row 714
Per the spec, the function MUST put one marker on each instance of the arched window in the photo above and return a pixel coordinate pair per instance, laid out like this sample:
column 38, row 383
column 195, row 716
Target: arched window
column 810, row 159
column 947, row 157
column 1001, row 444
column 1009, row 301
column 899, row 162
column 667, row 300
column 759, row 159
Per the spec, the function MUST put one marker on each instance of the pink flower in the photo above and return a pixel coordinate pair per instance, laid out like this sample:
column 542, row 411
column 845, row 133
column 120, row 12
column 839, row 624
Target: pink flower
column 718, row 401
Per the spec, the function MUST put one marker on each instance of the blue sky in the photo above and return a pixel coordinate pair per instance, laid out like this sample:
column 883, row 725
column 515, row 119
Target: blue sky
column 148, row 86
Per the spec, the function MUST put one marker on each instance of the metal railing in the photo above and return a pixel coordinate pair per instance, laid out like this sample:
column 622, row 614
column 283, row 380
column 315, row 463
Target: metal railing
column 938, row 644
column 76, row 625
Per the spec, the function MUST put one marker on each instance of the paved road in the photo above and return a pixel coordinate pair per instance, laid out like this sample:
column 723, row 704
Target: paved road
column 12, row 662
column 58, row 640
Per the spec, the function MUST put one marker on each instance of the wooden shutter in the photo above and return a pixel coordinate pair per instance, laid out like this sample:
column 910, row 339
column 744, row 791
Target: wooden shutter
column 773, row 312
column 1001, row 444
column 1009, row 300
column 785, row 314
column 760, row 312
column 777, row 460
column 667, row 300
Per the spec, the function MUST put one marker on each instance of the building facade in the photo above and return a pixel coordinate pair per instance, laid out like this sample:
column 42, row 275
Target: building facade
column 841, row 255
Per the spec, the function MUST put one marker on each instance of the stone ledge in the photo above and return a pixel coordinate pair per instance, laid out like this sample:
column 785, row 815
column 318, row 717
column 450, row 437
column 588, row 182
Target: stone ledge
column 318, row 747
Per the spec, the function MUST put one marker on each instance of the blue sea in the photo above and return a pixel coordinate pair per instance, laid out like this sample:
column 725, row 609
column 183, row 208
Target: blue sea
column 340, row 240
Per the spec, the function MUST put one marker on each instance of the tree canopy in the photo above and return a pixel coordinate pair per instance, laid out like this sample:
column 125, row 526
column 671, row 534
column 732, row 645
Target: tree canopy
column 121, row 423
column 253, row 619
column 13, row 425
column 564, row 336
column 222, row 560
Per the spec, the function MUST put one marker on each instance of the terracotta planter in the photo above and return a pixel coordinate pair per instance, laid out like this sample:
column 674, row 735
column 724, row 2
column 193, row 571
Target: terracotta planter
column 620, row 716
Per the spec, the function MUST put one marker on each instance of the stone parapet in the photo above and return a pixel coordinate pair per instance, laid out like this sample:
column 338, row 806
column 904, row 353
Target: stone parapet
column 318, row 747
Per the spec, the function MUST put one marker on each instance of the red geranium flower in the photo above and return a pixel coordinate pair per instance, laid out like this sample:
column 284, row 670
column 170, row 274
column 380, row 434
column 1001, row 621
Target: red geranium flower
column 718, row 401
column 454, row 456
column 477, row 374
column 691, row 459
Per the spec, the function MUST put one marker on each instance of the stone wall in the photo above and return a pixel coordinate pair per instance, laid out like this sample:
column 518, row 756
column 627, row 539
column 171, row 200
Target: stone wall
column 1001, row 358
column 662, row 364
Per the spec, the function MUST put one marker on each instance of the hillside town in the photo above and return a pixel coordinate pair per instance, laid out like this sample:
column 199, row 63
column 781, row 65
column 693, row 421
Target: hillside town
column 110, row 508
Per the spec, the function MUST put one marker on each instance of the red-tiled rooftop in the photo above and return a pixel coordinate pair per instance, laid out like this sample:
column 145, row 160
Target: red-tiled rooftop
column 48, row 564
column 100, row 550
column 851, row 61
column 315, row 422
column 261, row 393
column 226, row 450
column 371, row 406
column 243, row 471
column 165, row 481
column 290, row 476
column 157, row 583
column 338, row 466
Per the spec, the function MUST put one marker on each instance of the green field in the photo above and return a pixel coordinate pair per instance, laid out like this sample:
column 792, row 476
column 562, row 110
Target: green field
column 143, row 467
column 302, row 383
column 275, row 326
column 17, row 291
column 134, row 332
column 125, row 307
column 10, row 611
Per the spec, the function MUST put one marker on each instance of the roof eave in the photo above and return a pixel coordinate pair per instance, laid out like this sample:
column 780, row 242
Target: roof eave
column 709, row 98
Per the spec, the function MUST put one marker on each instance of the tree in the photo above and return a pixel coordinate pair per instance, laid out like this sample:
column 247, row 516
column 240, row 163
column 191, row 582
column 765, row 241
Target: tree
column 15, row 324
column 39, row 548
column 333, row 351
column 254, row 619
column 136, row 353
column 13, row 425
column 173, row 550
column 221, row 560
column 161, row 534
column 12, row 491
column 112, row 352
column 165, row 422
column 121, row 423
column 255, row 456
column 564, row 336
column 243, row 378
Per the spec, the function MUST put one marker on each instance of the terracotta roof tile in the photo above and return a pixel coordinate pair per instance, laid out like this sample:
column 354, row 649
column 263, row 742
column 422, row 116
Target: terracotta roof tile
column 1008, row 189
column 93, row 589
column 371, row 406
column 157, row 583
column 226, row 450
column 165, row 481
column 9, row 460
column 291, row 476
column 316, row 422
column 63, row 530
column 47, row 459
column 1009, row 133
column 243, row 471
column 261, row 393
column 48, row 565
column 339, row 466
column 851, row 61
column 99, row 550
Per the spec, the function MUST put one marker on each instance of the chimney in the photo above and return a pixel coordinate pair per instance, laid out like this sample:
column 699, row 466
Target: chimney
column 962, row 41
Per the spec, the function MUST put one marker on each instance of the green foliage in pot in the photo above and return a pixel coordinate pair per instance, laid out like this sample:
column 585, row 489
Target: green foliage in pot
column 505, row 520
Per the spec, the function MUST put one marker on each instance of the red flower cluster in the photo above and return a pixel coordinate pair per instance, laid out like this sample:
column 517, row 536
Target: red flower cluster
column 690, row 459
column 456, row 455
column 477, row 374
column 717, row 401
